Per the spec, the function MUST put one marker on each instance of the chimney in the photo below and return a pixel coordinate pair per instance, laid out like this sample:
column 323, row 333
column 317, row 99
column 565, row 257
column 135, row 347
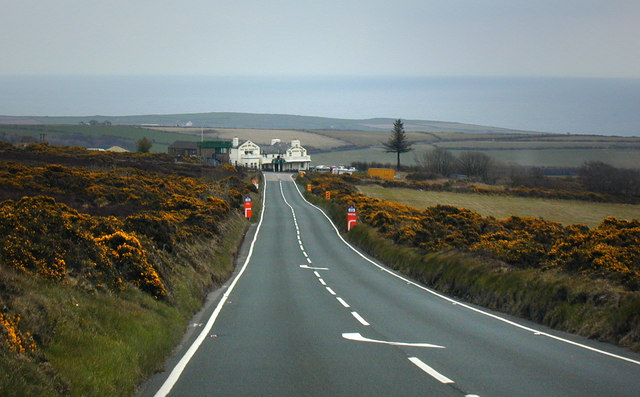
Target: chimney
column 295, row 142
column 274, row 141
column 235, row 141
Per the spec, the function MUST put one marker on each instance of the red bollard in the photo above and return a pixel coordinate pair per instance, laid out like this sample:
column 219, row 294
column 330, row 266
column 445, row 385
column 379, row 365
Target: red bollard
column 351, row 217
column 247, row 207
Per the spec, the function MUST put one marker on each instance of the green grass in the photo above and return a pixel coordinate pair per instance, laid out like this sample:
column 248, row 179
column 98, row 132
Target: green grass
column 547, row 157
column 563, row 211
column 621, row 158
column 346, row 157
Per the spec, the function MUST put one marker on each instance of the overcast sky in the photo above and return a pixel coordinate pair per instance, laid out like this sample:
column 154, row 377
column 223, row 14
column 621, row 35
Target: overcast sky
column 583, row 38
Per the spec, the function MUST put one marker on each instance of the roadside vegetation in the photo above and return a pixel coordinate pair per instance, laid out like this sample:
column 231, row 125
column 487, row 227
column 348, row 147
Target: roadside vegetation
column 104, row 258
column 575, row 278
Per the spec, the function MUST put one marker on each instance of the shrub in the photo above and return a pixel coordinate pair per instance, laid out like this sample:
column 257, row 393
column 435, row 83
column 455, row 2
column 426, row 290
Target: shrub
column 11, row 336
column 130, row 261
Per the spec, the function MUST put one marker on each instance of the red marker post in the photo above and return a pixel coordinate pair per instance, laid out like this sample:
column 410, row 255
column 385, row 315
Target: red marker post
column 247, row 207
column 351, row 217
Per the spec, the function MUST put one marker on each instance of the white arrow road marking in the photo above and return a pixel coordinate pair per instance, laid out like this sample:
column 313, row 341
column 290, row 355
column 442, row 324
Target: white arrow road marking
column 359, row 338
column 313, row 268
column 438, row 376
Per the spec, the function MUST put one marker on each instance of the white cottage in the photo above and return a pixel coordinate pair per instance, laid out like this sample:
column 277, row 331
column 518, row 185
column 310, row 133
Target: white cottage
column 281, row 156
column 246, row 154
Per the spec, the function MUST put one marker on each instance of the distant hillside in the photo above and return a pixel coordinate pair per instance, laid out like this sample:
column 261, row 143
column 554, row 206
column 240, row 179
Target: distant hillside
column 262, row 121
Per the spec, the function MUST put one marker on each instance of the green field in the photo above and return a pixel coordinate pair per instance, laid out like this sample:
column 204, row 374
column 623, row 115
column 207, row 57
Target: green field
column 621, row 158
column 101, row 136
column 566, row 212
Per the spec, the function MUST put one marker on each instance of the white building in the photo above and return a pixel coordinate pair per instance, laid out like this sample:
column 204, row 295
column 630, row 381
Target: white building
column 281, row 156
column 246, row 154
column 278, row 156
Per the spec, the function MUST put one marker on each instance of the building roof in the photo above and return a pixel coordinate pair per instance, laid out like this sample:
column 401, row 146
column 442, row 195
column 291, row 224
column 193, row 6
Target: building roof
column 215, row 144
column 277, row 148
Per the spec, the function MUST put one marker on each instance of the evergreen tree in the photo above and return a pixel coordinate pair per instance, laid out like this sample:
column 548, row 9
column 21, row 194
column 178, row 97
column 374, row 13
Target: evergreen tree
column 144, row 145
column 397, row 142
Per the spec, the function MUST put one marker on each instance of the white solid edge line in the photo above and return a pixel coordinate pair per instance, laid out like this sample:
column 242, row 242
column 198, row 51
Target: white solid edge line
column 360, row 319
column 437, row 375
column 177, row 370
column 466, row 306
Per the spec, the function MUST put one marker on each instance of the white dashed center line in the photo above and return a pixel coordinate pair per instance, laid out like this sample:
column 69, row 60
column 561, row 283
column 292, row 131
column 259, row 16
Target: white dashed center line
column 360, row 319
column 342, row 302
column 435, row 374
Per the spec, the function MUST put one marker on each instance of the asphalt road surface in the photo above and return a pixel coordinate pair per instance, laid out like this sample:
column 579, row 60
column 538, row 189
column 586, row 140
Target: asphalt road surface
column 307, row 315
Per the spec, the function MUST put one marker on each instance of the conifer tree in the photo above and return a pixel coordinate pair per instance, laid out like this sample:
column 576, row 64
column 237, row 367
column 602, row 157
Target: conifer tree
column 397, row 142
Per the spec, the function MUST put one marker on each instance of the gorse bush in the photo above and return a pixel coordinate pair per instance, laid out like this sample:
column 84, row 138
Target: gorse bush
column 53, row 241
column 611, row 250
column 12, row 338
column 130, row 259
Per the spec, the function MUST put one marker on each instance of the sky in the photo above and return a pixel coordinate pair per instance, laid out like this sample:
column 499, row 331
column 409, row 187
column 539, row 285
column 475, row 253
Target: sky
column 551, row 38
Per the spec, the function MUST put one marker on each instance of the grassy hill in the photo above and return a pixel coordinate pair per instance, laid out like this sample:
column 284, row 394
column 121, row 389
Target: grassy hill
column 255, row 120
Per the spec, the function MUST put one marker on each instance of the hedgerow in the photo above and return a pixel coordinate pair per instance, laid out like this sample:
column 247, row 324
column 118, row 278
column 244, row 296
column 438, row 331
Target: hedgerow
column 463, row 186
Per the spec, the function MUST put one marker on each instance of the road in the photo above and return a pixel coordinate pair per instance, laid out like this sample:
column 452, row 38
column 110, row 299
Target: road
column 307, row 315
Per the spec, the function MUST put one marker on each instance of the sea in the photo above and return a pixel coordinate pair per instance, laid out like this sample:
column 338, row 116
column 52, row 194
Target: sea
column 559, row 105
